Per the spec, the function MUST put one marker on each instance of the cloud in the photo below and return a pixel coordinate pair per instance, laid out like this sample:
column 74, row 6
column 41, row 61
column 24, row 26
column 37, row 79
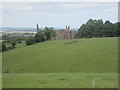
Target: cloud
column 60, row 0
column 80, row 5
column 113, row 9
column 28, row 7
column 61, row 8
column 14, row 6
column 47, row 13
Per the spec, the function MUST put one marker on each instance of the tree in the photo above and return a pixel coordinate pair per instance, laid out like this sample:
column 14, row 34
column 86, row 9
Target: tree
column 29, row 41
column 86, row 30
column 90, row 28
column 116, row 30
column 53, row 32
column 96, row 28
column 13, row 42
column 39, row 37
column 108, row 29
column 49, row 33
column 81, row 31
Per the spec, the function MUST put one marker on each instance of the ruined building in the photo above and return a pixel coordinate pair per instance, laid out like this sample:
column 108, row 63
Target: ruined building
column 63, row 33
column 38, row 29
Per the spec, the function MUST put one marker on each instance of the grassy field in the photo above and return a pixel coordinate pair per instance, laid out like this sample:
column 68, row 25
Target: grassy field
column 58, row 80
column 55, row 64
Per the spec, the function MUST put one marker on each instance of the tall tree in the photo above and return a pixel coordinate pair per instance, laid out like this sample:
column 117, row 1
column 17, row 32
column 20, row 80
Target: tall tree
column 96, row 28
column 49, row 33
column 108, row 28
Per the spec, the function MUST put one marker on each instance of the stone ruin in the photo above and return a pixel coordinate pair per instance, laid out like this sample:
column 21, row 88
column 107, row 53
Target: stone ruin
column 63, row 33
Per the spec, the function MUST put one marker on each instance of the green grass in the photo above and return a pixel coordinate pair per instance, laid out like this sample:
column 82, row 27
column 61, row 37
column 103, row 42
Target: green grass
column 93, row 58
column 1, row 40
column 60, row 80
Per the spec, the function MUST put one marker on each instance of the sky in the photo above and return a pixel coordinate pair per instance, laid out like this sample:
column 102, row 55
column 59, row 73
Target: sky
column 55, row 14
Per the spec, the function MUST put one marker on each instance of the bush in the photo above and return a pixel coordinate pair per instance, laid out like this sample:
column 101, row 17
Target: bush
column 13, row 42
column 29, row 41
column 39, row 37
column 0, row 46
column 19, row 41
column 3, row 47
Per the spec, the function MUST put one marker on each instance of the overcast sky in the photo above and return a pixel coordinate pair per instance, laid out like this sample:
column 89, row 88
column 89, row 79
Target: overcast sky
column 56, row 14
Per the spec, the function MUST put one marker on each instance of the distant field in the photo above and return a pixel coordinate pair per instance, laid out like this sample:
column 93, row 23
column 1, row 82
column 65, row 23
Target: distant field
column 76, row 64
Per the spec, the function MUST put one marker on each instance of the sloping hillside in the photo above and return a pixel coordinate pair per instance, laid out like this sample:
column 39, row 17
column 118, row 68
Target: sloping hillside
column 62, row 64
column 82, row 55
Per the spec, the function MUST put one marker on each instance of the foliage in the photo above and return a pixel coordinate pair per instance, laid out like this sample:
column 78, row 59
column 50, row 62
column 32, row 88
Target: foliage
column 8, row 37
column 29, row 41
column 19, row 40
column 3, row 46
column 0, row 46
column 13, row 42
column 96, row 28
column 49, row 33
column 39, row 37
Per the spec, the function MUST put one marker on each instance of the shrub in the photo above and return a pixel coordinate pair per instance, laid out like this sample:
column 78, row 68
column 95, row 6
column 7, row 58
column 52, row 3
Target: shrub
column 3, row 47
column 13, row 42
column 39, row 37
column 20, row 41
column 29, row 41
column 0, row 46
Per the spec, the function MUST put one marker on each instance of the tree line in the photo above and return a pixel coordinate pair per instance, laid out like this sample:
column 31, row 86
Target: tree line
column 96, row 28
column 10, row 42
column 47, row 34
